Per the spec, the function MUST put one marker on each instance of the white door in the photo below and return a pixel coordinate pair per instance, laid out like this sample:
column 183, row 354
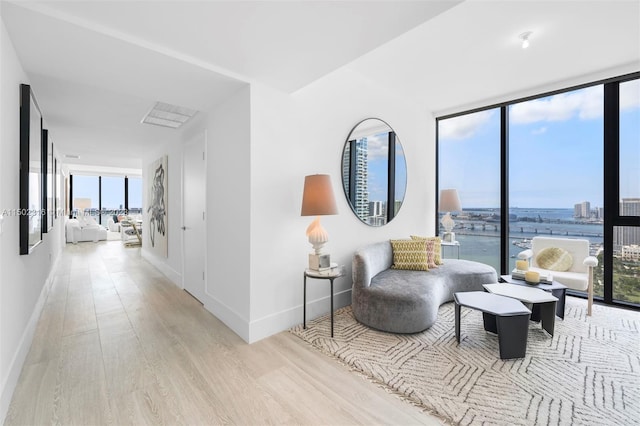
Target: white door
column 193, row 216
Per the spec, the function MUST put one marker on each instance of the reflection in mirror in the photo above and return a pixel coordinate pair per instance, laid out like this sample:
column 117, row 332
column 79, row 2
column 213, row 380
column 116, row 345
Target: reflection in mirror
column 374, row 172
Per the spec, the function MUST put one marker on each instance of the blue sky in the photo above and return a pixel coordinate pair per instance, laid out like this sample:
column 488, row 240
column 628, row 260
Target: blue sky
column 378, row 153
column 555, row 151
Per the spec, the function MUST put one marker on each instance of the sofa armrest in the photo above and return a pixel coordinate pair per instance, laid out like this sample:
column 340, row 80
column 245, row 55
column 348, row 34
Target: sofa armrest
column 590, row 261
column 360, row 271
column 370, row 260
column 525, row 254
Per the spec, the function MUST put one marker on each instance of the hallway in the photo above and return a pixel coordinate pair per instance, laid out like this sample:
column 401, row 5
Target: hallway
column 117, row 343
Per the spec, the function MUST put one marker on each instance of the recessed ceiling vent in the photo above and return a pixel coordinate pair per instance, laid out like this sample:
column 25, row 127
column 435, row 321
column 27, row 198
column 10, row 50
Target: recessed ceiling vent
column 167, row 115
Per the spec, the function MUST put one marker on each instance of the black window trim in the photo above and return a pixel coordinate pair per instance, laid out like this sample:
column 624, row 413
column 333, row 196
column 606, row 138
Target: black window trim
column 611, row 181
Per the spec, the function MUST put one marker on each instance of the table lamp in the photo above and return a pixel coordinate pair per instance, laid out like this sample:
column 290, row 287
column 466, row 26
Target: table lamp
column 318, row 200
column 449, row 202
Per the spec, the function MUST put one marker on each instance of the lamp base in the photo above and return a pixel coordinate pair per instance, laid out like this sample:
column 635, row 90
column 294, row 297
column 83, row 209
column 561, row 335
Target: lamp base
column 449, row 237
column 319, row 261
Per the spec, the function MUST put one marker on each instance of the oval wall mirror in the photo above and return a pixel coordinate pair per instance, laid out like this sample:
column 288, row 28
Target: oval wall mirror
column 374, row 172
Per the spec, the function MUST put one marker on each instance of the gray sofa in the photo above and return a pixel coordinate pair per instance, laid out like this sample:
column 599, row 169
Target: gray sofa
column 402, row 301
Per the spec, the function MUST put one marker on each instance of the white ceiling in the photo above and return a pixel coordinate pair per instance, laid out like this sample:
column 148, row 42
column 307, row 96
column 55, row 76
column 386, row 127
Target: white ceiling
column 471, row 55
column 98, row 66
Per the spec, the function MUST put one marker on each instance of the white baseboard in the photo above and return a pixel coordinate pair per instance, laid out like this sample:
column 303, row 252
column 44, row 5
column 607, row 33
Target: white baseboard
column 19, row 357
column 231, row 318
column 161, row 265
column 280, row 321
column 224, row 313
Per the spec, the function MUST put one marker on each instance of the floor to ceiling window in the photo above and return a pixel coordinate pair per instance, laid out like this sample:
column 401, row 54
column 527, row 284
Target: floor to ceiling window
column 626, row 239
column 112, row 197
column 543, row 166
column 86, row 196
column 134, row 204
column 105, row 196
column 469, row 148
column 556, row 168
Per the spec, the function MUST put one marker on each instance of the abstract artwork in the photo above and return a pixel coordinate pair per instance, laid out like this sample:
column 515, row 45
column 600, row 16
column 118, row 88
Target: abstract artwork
column 156, row 226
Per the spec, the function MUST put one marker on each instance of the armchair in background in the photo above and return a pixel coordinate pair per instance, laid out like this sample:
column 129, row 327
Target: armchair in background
column 113, row 224
column 567, row 259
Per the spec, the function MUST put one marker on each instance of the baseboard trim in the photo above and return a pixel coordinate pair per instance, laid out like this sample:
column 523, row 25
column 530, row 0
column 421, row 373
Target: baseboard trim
column 228, row 316
column 173, row 275
column 19, row 357
column 283, row 320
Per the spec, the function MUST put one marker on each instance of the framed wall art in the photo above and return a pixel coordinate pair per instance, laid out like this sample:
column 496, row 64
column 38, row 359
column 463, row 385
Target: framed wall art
column 57, row 188
column 47, row 181
column 157, row 220
column 30, row 180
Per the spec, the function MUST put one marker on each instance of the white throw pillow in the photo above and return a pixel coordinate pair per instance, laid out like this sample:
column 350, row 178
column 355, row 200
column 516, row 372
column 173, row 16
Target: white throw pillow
column 554, row 259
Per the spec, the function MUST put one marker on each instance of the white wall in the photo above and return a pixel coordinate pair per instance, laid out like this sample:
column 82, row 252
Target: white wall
column 228, row 212
column 227, row 129
column 294, row 136
column 24, row 280
column 260, row 145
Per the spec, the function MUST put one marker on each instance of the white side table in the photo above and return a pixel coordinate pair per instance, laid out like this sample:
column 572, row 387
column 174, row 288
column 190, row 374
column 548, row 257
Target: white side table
column 329, row 274
column 455, row 244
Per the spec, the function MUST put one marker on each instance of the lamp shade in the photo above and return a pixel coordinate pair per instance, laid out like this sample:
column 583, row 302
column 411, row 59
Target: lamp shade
column 449, row 201
column 317, row 197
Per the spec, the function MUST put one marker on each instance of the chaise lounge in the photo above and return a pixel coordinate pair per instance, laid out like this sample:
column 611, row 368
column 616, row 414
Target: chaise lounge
column 404, row 301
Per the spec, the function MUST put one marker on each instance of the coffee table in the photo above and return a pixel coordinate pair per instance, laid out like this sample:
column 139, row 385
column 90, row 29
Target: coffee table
column 503, row 315
column 557, row 289
column 540, row 301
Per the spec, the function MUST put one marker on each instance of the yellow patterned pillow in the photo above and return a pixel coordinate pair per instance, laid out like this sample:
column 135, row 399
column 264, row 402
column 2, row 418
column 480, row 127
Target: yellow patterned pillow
column 410, row 254
column 437, row 248
column 554, row 259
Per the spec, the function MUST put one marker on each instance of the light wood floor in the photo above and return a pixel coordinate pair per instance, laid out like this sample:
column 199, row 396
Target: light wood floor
column 117, row 343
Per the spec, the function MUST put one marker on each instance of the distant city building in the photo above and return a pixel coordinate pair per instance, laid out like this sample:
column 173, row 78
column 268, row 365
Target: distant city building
column 360, row 176
column 630, row 207
column 600, row 212
column 376, row 208
column 624, row 236
column 586, row 209
column 582, row 210
column 631, row 252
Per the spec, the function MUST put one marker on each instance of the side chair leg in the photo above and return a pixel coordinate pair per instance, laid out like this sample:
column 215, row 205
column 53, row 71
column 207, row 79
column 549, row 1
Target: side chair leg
column 590, row 292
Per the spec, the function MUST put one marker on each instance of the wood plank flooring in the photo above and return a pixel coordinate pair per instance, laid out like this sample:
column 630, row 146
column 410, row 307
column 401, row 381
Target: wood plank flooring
column 117, row 343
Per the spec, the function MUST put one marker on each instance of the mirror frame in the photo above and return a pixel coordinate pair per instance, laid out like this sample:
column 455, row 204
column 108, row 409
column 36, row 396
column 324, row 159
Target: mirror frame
column 31, row 165
column 391, row 173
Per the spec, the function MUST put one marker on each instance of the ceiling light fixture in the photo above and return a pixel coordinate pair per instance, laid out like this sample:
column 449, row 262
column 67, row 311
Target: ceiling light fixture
column 167, row 115
column 525, row 39
column 74, row 156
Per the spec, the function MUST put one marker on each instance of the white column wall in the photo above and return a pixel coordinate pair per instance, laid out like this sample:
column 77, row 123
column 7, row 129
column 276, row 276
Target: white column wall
column 227, row 131
column 228, row 206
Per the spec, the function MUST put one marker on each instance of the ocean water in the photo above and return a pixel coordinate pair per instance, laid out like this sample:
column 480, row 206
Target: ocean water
column 479, row 235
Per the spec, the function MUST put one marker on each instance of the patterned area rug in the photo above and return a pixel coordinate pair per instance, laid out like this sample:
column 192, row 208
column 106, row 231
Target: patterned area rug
column 588, row 373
